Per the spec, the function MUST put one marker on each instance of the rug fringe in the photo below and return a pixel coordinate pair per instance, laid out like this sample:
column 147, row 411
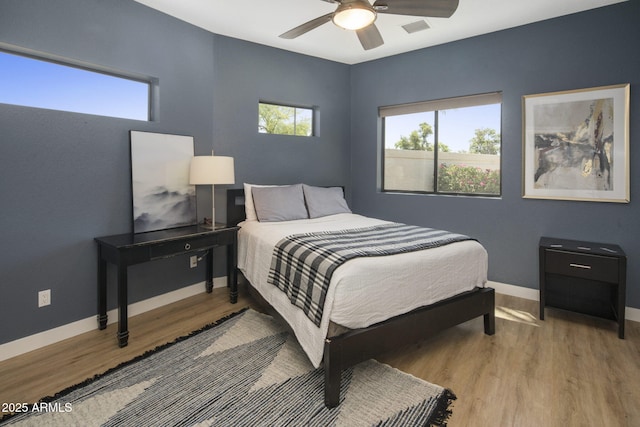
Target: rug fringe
column 442, row 412
column 144, row 355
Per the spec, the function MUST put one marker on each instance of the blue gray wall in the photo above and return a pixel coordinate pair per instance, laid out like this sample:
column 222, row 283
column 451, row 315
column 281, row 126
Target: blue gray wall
column 589, row 49
column 65, row 177
column 246, row 73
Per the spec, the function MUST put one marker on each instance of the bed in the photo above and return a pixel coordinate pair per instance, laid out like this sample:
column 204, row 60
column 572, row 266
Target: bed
column 373, row 303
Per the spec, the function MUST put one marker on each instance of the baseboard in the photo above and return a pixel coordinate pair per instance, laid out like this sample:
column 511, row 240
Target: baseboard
column 515, row 291
column 45, row 338
column 534, row 294
column 51, row 336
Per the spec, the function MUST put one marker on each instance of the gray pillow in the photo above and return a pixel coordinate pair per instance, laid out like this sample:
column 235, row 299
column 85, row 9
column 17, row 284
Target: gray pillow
column 279, row 203
column 324, row 201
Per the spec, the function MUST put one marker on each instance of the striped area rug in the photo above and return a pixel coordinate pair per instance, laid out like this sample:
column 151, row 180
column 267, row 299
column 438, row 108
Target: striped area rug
column 244, row 371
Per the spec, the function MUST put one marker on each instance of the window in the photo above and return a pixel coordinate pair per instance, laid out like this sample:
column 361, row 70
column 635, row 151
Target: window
column 285, row 119
column 448, row 146
column 32, row 82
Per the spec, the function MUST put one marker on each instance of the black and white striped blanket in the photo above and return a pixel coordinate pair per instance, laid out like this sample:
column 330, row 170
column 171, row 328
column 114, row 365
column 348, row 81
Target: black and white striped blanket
column 302, row 264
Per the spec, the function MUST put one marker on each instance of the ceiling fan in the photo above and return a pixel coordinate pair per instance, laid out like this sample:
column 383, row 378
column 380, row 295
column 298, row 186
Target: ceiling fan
column 359, row 15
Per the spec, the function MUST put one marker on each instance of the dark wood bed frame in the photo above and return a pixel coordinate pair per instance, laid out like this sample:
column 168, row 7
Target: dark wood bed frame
column 358, row 345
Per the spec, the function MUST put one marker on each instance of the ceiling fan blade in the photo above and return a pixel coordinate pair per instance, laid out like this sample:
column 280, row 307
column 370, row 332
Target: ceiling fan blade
column 430, row 8
column 370, row 37
column 306, row 27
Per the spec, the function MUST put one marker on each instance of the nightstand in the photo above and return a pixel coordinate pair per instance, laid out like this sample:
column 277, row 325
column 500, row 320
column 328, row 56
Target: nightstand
column 585, row 277
column 128, row 249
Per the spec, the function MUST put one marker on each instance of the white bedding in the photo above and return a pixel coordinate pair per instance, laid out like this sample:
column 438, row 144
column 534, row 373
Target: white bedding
column 390, row 285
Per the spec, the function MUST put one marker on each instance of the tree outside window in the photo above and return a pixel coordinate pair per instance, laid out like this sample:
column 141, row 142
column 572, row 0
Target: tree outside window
column 285, row 120
column 449, row 146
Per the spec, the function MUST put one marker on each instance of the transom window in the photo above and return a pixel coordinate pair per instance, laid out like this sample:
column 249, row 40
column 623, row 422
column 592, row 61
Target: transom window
column 285, row 119
column 447, row 146
column 41, row 83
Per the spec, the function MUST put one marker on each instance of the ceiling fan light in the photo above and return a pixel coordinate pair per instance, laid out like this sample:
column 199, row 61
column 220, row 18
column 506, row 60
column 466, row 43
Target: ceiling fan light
column 354, row 16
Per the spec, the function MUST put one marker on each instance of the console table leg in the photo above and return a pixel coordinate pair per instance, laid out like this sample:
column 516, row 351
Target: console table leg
column 123, row 339
column 232, row 271
column 102, row 291
column 123, row 327
column 209, row 283
column 102, row 321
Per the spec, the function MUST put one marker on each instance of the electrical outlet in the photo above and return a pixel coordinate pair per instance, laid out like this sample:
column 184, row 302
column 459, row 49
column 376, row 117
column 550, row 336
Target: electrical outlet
column 193, row 261
column 44, row 298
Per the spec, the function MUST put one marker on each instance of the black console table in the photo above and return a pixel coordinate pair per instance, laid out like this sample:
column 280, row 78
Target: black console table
column 128, row 249
column 585, row 277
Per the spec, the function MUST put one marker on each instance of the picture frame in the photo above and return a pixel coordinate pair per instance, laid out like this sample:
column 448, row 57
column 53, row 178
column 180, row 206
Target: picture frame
column 576, row 145
column 162, row 196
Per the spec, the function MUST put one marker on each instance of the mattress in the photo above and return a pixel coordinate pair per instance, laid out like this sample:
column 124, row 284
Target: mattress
column 363, row 291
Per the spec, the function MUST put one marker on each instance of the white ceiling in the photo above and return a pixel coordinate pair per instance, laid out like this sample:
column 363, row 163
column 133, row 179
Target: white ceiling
column 261, row 21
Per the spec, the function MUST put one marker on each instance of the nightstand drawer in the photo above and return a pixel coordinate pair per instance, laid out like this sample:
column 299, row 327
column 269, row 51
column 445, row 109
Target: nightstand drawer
column 171, row 248
column 592, row 267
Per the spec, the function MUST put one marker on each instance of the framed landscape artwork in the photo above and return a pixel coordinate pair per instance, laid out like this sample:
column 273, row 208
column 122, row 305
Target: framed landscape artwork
column 576, row 145
column 162, row 195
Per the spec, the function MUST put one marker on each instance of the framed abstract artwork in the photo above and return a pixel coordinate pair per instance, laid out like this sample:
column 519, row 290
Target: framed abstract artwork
column 162, row 195
column 576, row 145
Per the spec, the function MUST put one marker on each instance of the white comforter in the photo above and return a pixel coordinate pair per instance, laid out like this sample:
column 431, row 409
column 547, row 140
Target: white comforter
column 363, row 291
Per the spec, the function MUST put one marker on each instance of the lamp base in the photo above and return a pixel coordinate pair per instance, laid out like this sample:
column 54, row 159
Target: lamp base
column 206, row 223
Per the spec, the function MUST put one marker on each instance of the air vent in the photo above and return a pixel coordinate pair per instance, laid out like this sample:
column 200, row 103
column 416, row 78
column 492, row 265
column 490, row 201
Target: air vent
column 414, row 27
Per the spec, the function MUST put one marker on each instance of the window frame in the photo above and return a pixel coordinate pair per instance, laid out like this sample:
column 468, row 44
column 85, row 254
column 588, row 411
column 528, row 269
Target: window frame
column 152, row 83
column 312, row 109
column 436, row 106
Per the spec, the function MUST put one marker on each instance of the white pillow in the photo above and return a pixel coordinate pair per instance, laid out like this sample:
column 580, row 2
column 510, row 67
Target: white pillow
column 323, row 201
column 279, row 203
column 249, row 207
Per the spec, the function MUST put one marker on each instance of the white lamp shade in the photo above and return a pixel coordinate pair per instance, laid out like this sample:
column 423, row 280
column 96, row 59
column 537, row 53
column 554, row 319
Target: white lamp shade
column 212, row 170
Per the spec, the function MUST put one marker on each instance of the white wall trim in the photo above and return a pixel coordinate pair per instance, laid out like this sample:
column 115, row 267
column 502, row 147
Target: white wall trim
column 534, row 294
column 45, row 338
column 632, row 314
column 51, row 336
column 515, row 291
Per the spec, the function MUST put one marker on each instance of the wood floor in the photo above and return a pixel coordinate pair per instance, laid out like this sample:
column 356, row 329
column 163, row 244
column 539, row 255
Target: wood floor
column 568, row 370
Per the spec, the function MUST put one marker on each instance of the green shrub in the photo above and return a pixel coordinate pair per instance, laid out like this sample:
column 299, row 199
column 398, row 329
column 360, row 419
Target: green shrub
column 468, row 179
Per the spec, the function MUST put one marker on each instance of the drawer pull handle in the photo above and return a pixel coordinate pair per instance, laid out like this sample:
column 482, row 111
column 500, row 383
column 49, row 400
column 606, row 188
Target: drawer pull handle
column 187, row 246
column 586, row 267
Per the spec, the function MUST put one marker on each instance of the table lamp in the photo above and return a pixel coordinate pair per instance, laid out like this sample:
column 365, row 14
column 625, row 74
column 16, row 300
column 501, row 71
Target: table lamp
column 211, row 170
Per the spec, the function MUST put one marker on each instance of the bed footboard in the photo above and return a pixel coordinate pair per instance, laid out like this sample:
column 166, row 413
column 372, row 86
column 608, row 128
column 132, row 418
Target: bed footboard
column 359, row 345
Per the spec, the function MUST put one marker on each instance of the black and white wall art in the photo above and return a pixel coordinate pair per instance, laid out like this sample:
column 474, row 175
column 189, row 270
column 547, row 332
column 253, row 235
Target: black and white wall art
column 162, row 195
